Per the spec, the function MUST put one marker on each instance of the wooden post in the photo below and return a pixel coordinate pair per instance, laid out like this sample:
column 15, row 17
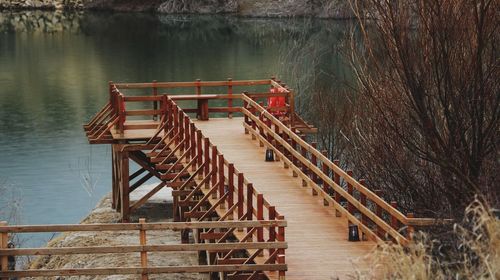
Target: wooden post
column 4, row 241
column 281, row 252
column 336, row 179
column 326, row 170
column 125, row 188
column 192, row 133
column 207, row 159
column 378, row 212
column 249, row 203
column 314, row 161
column 245, row 105
column 285, row 137
column 155, row 103
column 292, row 107
column 304, row 168
column 294, row 159
column 350, row 191
column 362, row 198
column 410, row 230
column 214, row 168
column 187, row 137
column 394, row 220
column 199, row 150
column 121, row 118
column 221, row 179
column 230, row 94
column 198, row 86
column 230, row 185
column 144, row 254
column 272, row 230
column 260, row 217
column 241, row 197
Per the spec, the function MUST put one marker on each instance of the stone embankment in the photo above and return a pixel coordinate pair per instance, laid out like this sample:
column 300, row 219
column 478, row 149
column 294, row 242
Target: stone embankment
column 249, row 8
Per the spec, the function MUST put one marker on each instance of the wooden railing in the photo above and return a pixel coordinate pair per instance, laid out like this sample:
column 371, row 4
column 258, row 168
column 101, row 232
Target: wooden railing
column 230, row 265
column 114, row 113
column 378, row 218
column 205, row 187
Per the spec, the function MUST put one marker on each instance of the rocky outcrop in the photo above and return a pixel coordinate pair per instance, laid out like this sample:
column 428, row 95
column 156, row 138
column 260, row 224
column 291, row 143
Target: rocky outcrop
column 248, row 8
column 41, row 4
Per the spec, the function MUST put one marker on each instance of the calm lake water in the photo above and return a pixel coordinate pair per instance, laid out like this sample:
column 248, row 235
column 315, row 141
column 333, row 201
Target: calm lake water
column 54, row 69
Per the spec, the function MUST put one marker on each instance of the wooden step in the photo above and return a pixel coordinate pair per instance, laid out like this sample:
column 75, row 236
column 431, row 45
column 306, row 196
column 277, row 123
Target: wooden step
column 160, row 159
column 156, row 153
column 170, row 176
column 163, row 167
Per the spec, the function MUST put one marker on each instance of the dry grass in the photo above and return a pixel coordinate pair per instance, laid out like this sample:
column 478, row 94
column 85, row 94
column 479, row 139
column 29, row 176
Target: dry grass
column 475, row 254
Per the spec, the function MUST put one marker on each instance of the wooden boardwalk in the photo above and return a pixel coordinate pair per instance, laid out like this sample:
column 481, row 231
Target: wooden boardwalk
column 317, row 239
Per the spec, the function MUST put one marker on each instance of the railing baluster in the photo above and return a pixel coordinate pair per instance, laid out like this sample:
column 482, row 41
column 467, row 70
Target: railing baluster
column 336, row 179
column 230, row 94
column 249, row 203
column 144, row 254
column 4, row 239
column 230, row 185
column 221, row 179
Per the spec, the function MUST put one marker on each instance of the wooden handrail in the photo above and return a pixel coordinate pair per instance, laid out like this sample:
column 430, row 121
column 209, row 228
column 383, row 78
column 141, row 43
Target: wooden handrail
column 370, row 195
column 141, row 248
column 191, row 84
column 138, row 226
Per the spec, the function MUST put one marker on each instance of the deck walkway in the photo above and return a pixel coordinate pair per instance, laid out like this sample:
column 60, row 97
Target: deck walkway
column 317, row 239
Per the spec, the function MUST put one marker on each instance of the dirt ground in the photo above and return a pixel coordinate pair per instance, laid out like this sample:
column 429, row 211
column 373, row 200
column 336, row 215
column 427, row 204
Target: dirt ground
column 153, row 212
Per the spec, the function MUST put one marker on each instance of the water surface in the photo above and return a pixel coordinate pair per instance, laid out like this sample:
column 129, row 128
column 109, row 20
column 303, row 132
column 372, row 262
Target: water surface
column 54, row 69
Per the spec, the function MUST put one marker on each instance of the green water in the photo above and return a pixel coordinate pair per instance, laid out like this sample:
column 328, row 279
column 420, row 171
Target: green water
column 54, row 69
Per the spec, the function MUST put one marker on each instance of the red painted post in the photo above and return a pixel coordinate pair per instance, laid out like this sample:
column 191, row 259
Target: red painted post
column 155, row 103
column 240, row 195
column 272, row 230
column 199, row 147
column 245, row 105
column 230, row 93
column 336, row 179
column 206, row 150
column 281, row 252
column 314, row 161
column 230, row 184
column 303, row 153
column 249, row 205
column 260, row 216
column 176, row 122
column 326, row 170
column 181, row 129
column 295, row 161
column 121, row 121
column 214, row 167
column 221, row 178
column 187, row 136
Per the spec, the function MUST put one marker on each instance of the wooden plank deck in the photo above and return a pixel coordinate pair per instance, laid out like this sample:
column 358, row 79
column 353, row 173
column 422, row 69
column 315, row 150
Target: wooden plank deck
column 317, row 239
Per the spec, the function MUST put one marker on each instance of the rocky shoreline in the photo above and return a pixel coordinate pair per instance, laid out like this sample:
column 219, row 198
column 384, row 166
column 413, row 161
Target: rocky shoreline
column 156, row 211
column 337, row 9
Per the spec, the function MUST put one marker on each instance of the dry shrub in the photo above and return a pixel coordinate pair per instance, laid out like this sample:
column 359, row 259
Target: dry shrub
column 475, row 255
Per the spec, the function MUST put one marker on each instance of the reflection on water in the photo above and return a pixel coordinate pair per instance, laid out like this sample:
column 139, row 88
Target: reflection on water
column 54, row 68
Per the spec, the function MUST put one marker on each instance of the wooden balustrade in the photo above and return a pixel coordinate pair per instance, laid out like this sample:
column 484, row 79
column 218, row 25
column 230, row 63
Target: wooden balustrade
column 143, row 268
column 303, row 155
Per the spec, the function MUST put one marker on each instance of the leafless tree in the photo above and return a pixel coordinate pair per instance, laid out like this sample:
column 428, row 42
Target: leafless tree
column 426, row 125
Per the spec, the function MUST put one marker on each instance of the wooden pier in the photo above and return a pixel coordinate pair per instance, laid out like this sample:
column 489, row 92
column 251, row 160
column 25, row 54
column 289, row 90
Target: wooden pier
column 209, row 147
